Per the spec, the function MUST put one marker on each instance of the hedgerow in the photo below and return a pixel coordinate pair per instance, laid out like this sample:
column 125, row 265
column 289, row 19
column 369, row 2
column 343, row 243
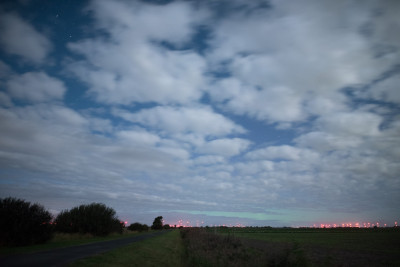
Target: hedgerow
column 23, row 223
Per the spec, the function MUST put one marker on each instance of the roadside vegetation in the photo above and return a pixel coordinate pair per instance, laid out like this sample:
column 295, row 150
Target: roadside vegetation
column 96, row 219
column 26, row 227
column 23, row 223
column 163, row 250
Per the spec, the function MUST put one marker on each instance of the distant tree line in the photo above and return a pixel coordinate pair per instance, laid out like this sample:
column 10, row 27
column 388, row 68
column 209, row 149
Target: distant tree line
column 95, row 219
column 23, row 223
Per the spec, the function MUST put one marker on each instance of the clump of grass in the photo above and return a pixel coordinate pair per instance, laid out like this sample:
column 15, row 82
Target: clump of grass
column 204, row 248
column 207, row 249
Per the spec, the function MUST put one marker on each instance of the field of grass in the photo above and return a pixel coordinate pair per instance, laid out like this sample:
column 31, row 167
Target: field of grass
column 61, row 240
column 243, row 247
column 374, row 247
column 353, row 239
column 163, row 250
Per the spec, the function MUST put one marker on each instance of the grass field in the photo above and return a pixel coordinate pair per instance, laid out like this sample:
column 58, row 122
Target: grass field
column 163, row 250
column 330, row 247
column 244, row 247
column 353, row 239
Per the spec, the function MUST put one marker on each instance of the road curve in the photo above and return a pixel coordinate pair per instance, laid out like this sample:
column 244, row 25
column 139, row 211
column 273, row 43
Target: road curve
column 64, row 256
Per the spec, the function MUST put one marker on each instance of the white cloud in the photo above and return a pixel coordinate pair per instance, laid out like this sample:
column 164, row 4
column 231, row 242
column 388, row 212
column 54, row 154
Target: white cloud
column 322, row 141
column 5, row 100
column 172, row 22
column 133, row 66
column 351, row 123
column 199, row 120
column 20, row 38
column 387, row 90
column 209, row 160
column 283, row 152
column 254, row 167
column 272, row 104
column 225, row 147
column 290, row 61
column 138, row 137
column 35, row 87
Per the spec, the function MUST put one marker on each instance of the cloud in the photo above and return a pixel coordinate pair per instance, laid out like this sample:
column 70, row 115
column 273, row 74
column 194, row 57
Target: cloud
column 275, row 104
column 322, row 141
column 386, row 90
column 132, row 65
column 225, row 147
column 161, row 126
column 15, row 34
column 201, row 121
column 283, row 152
column 138, row 137
column 289, row 62
column 35, row 87
column 172, row 22
column 351, row 123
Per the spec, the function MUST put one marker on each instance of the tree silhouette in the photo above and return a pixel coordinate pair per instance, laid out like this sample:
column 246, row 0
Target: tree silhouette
column 23, row 223
column 138, row 227
column 157, row 223
column 96, row 219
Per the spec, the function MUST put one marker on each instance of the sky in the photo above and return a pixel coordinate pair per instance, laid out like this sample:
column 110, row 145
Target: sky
column 280, row 113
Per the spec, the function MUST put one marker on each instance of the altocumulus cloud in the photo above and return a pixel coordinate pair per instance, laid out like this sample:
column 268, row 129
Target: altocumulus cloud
column 252, row 112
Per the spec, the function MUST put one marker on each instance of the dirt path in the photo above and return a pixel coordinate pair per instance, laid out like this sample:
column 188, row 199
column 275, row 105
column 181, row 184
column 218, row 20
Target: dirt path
column 64, row 256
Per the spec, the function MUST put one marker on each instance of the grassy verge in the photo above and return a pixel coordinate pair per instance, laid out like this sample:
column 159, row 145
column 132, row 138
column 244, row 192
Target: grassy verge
column 62, row 240
column 163, row 250
column 362, row 240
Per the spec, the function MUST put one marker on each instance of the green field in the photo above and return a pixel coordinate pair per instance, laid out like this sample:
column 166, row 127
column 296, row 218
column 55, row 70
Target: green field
column 164, row 250
column 354, row 239
column 374, row 247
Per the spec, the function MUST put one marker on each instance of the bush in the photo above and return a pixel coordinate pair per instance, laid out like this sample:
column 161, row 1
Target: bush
column 22, row 223
column 96, row 219
column 138, row 227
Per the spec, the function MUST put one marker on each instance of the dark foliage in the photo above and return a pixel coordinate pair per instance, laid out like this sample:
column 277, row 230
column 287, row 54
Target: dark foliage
column 167, row 226
column 96, row 219
column 23, row 223
column 157, row 223
column 207, row 249
column 138, row 227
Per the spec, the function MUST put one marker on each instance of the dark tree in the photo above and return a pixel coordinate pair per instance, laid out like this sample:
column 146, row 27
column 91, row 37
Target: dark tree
column 138, row 227
column 167, row 226
column 23, row 223
column 157, row 223
column 96, row 219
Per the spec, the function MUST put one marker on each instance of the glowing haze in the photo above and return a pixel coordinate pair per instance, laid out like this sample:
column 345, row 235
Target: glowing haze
column 234, row 112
